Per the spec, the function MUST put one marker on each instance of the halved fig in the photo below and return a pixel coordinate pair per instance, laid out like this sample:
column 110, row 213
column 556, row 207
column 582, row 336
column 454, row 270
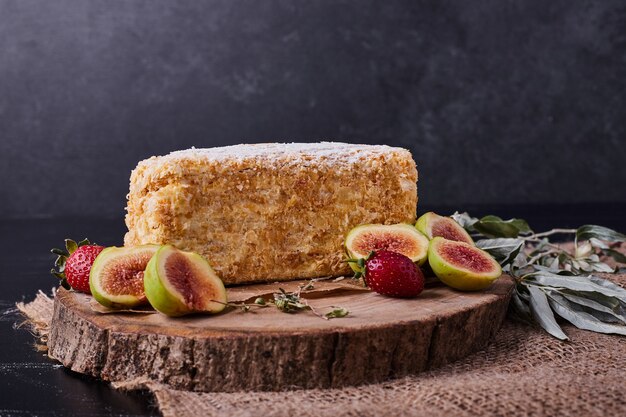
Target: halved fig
column 116, row 277
column 179, row 283
column 401, row 238
column 433, row 225
column 461, row 265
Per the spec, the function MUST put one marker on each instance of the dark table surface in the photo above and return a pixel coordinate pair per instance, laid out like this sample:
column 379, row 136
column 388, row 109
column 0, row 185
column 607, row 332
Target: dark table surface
column 32, row 384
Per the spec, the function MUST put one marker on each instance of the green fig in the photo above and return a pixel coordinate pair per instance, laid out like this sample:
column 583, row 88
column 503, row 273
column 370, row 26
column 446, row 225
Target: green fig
column 461, row 265
column 433, row 225
column 179, row 283
column 116, row 276
column 401, row 238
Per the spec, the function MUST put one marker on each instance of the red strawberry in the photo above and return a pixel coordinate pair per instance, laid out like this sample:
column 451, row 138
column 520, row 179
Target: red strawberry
column 75, row 264
column 392, row 274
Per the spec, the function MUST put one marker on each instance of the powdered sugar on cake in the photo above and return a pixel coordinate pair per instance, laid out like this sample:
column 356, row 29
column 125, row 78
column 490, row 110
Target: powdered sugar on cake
column 327, row 152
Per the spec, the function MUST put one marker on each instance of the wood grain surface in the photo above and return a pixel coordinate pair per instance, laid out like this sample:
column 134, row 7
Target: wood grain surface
column 269, row 350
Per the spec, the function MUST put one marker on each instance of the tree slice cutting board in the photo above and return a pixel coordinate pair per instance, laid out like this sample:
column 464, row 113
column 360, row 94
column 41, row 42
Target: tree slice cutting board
column 266, row 349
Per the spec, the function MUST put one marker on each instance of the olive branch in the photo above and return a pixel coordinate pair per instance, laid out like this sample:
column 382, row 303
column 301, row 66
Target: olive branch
column 551, row 279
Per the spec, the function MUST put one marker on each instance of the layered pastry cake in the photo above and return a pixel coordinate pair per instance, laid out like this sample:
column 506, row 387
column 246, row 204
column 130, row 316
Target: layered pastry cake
column 272, row 211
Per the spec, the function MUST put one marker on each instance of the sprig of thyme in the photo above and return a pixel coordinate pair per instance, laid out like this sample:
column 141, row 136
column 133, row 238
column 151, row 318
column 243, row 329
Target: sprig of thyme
column 550, row 279
column 291, row 302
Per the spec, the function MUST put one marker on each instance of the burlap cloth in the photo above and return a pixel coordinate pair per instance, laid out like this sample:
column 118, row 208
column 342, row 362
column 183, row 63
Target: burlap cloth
column 522, row 372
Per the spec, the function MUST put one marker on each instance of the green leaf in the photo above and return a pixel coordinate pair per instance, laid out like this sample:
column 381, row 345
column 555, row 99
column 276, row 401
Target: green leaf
column 338, row 312
column 605, row 283
column 504, row 250
column 542, row 313
column 590, row 303
column 465, row 220
column 61, row 277
column 59, row 252
column 611, row 302
column 583, row 250
column 540, row 246
column 618, row 256
column 84, row 242
column 71, row 246
column 60, row 261
column 57, row 274
column 600, row 267
column 520, row 261
column 521, row 224
column 494, row 226
column 589, row 231
column 577, row 283
column 520, row 307
column 554, row 265
column 581, row 319
column 597, row 243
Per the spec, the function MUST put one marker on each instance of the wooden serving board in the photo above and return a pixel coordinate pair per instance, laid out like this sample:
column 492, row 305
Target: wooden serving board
column 266, row 349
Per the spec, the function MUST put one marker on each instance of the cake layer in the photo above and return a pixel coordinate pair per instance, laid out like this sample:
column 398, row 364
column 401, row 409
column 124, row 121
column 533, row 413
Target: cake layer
column 269, row 211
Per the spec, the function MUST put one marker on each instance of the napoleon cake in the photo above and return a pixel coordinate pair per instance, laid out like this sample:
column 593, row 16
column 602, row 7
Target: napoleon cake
column 269, row 212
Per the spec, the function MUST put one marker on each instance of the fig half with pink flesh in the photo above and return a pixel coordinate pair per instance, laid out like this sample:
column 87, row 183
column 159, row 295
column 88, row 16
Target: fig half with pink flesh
column 401, row 238
column 116, row 276
column 461, row 265
column 433, row 225
column 179, row 283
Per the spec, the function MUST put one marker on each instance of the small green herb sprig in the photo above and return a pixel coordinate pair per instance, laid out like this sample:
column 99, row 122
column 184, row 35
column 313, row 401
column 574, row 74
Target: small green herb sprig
column 292, row 302
column 550, row 279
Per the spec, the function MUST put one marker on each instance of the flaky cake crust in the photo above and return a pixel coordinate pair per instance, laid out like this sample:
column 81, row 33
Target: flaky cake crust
column 269, row 211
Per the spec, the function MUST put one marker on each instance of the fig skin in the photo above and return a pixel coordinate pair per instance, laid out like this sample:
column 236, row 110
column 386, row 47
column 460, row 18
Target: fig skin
column 116, row 254
column 403, row 229
column 427, row 220
column 457, row 277
column 166, row 299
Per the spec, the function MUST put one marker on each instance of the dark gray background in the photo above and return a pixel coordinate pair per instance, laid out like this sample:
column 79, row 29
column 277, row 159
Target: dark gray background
column 500, row 101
